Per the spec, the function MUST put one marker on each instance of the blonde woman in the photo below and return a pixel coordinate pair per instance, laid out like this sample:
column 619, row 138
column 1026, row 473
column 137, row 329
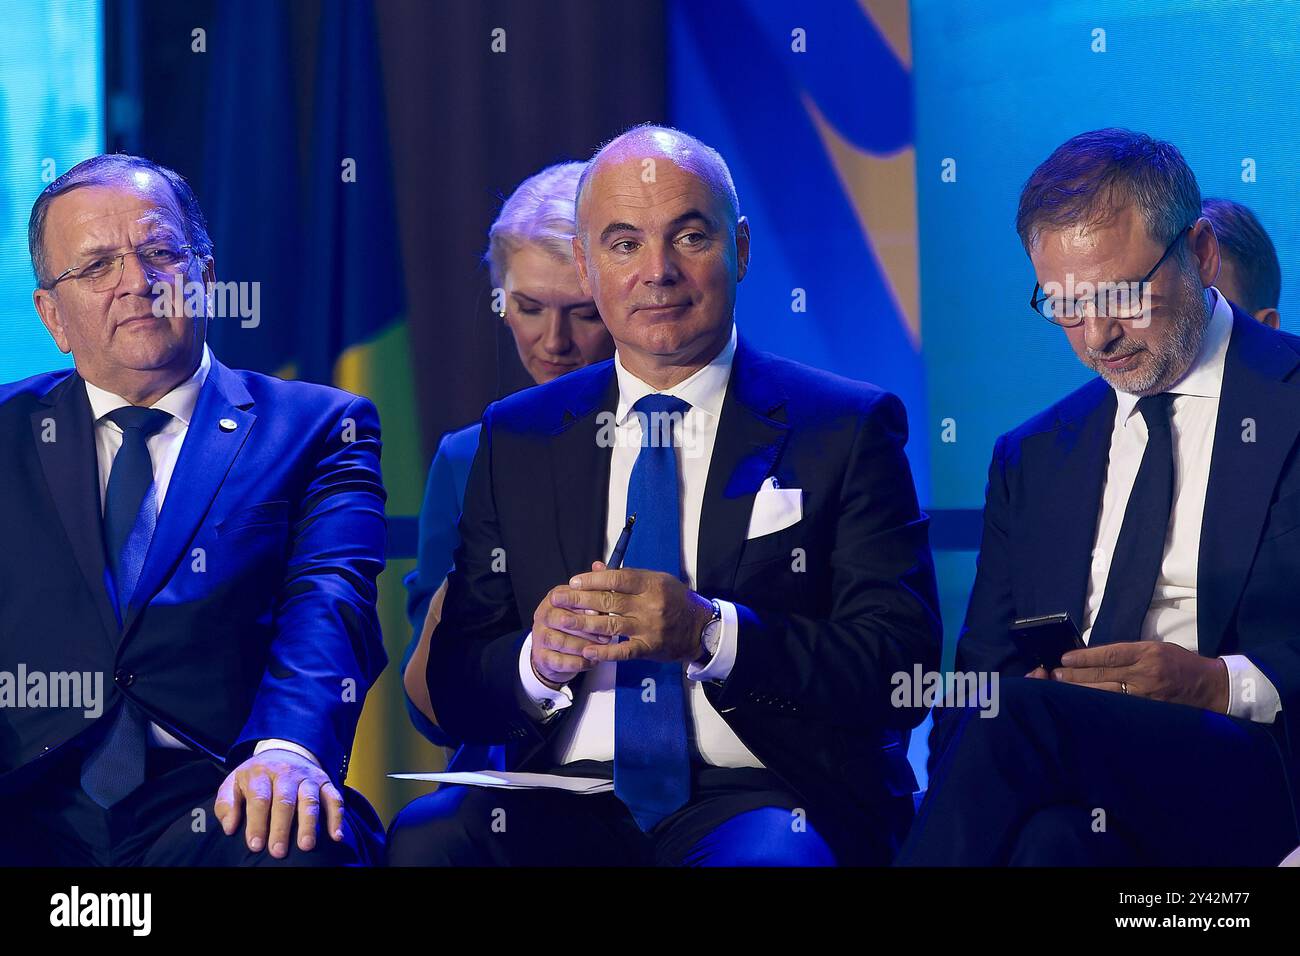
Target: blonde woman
column 556, row 329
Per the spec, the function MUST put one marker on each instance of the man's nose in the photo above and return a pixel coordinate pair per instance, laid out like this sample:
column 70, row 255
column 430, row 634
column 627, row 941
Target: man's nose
column 1099, row 330
column 136, row 279
column 661, row 266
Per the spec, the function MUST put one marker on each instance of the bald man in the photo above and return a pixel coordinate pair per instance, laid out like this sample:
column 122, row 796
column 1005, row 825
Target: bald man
column 728, row 674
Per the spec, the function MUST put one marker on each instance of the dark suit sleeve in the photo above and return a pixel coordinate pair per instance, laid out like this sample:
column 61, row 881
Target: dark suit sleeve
column 328, row 649
column 473, row 654
column 884, row 606
column 984, row 644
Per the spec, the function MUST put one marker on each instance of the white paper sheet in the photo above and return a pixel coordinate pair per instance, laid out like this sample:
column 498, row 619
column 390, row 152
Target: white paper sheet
column 514, row 781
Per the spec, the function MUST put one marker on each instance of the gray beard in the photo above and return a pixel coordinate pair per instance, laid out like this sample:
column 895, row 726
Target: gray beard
column 1173, row 356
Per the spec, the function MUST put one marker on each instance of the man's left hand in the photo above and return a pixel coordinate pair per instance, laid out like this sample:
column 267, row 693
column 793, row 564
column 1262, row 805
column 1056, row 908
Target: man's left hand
column 275, row 786
column 1151, row 669
column 660, row 616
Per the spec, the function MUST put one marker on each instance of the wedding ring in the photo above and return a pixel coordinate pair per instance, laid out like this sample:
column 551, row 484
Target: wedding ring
column 1123, row 685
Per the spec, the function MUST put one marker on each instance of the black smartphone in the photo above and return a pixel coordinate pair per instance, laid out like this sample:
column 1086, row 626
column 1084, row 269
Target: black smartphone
column 1045, row 638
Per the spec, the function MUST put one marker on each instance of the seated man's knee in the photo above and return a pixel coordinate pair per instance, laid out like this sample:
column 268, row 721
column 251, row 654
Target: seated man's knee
column 1067, row 835
column 768, row 836
column 429, row 832
column 1019, row 706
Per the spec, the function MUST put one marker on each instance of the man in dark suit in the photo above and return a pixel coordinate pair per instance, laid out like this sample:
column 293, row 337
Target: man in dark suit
column 733, row 677
column 191, row 549
column 1158, row 506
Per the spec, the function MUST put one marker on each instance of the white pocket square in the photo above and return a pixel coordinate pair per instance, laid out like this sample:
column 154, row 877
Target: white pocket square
column 774, row 509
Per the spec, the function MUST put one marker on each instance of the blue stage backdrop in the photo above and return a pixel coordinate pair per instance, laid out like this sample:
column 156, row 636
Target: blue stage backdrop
column 811, row 105
column 51, row 117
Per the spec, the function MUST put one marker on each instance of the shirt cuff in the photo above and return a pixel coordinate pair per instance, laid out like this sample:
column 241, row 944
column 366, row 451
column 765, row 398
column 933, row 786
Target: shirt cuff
column 541, row 701
column 275, row 743
column 1250, row 693
column 723, row 660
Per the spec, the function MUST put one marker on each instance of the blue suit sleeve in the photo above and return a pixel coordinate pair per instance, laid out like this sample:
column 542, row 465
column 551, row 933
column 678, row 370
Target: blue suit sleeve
column 328, row 649
column 444, row 494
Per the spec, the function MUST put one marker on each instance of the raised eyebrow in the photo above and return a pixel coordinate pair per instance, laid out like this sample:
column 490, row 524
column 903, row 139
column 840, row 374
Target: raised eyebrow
column 96, row 250
column 614, row 227
column 694, row 214
column 160, row 235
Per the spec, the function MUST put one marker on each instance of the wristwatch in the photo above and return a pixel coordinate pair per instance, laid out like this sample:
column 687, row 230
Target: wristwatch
column 710, row 636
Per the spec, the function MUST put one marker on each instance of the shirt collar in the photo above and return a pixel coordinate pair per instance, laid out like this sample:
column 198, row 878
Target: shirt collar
column 179, row 402
column 704, row 389
column 1205, row 378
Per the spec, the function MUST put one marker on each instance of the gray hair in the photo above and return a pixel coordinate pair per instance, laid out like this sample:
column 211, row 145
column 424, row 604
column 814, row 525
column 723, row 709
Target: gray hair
column 539, row 212
column 1090, row 176
column 109, row 169
column 683, row 149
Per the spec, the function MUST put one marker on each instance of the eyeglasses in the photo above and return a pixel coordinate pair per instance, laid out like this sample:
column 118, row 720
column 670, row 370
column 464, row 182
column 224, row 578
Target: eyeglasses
column 104, row 272
column 1117, row 300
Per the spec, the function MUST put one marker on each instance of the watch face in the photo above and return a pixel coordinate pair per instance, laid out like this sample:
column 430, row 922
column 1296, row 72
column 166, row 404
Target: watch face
column 711, row 636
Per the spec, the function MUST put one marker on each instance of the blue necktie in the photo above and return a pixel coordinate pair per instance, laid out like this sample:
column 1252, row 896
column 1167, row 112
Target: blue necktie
column 1135, row 567
column 652, row 773
column 116, row 766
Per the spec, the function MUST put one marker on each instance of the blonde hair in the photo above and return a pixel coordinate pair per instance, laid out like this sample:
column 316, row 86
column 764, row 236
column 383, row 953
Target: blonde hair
column 541, row 211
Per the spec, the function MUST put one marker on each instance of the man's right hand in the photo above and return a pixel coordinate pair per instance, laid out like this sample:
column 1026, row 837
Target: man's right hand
column 557, row 653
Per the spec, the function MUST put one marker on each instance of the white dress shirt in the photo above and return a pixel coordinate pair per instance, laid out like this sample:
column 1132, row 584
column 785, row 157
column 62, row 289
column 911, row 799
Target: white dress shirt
column 589, row 733
column 164, row 449
column 1172, row 614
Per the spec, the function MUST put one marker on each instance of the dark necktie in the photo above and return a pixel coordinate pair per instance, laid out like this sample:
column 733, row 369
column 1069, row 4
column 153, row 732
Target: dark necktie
column 116, row 766
column 1135, row 566
column 652, row 773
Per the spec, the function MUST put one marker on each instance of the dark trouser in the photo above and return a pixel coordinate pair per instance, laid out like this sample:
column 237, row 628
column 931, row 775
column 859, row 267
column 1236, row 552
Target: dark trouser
column 736, row 817
column 1068, row 775
column 168, row 821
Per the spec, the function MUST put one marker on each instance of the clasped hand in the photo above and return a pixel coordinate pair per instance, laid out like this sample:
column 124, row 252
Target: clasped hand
column 576, row 626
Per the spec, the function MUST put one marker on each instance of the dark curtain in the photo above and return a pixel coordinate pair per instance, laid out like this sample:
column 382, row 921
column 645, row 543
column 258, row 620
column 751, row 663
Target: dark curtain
column 466, row 124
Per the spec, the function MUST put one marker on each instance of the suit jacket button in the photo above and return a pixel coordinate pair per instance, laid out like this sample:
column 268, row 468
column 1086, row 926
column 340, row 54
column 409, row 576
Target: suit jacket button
column 124, row 678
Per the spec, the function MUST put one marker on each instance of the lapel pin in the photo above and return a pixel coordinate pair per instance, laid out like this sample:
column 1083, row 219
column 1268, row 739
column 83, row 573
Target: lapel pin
column 227, row 424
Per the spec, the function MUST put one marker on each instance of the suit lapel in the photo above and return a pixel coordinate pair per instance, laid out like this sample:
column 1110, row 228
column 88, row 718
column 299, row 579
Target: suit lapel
column 580, row 468
column 206, row 457
column 71, row 468
column 1066, row 515
column 1243, row 473
column 751, row 433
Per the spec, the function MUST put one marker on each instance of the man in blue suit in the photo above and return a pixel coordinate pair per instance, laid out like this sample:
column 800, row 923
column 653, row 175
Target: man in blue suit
column 1158, row 506
column 190, row 563
column 776, row 577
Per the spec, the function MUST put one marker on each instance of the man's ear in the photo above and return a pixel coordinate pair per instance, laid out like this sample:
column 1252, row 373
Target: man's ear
column 1205, row 249
column 47, row 307
column 742, row 247
column 580, row 261
column 1270, row 317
